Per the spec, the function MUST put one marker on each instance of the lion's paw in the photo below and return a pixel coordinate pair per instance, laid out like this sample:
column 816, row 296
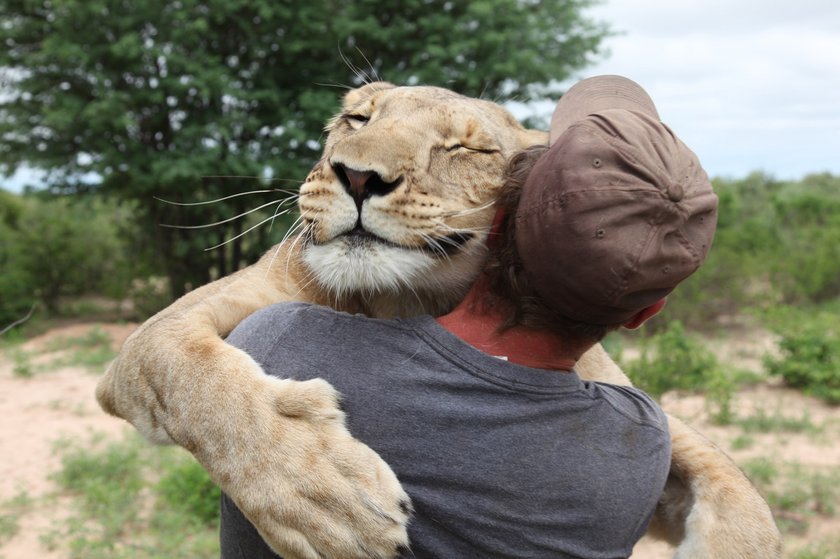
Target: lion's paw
column 309, row 399
column 312, row 490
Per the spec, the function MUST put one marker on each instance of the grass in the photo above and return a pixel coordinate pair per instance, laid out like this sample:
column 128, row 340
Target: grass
column 22, row 363
column 10, row 513
column 795, row 493
column 818, row 550
column 134, row 501
column 777, row 422
column 92, row 350
column 742, row 441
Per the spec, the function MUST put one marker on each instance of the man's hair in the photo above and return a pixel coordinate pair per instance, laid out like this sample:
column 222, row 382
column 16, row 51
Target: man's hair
column 504, row 271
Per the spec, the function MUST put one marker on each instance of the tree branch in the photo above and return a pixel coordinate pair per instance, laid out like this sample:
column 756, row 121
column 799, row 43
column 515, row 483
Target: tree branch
column 19, row 321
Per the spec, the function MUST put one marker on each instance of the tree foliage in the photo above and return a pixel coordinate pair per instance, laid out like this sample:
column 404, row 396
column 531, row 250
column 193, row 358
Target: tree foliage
column 53, row 247
column 149, row 99
column 777, row 243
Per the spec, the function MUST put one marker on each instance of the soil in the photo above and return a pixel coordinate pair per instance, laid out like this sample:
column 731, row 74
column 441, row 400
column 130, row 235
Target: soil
column 38, row 411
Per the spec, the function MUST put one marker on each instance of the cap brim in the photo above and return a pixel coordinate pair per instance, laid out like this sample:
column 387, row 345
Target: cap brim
column 599, row 93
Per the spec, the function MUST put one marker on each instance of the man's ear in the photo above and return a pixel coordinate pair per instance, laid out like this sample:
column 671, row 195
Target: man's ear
column 496, row 233
column 643, row 315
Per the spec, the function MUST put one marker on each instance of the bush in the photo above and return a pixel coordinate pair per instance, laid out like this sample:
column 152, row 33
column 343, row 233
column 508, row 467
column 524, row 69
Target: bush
column 187, row 488
column 809, row 350
column 148, row 296
column 670, row 360
column 673, row 360
column 16, row 293
column 807, row 266
column 55, row 247
column 776, row 242
column 113, row 515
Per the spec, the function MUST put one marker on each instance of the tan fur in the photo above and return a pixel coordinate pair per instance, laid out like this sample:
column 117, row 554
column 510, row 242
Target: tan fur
column 280, row 448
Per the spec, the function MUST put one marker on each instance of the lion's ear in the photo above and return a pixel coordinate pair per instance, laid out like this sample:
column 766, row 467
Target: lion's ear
column 356, row 96
column 528, row 138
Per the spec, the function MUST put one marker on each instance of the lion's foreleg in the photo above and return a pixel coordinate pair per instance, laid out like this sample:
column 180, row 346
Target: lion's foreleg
column 165, row 364
column 709, row 509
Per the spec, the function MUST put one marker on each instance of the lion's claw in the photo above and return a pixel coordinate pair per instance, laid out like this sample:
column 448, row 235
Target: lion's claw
column 311, row 489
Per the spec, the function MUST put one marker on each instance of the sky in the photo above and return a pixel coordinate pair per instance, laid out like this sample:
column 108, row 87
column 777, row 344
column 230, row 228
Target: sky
column 749, row 85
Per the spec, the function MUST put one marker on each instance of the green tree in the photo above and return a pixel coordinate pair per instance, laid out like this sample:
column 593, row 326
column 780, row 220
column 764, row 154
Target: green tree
column 57, row 246
column 148, row 99
column 16, row 293
column 807, row 219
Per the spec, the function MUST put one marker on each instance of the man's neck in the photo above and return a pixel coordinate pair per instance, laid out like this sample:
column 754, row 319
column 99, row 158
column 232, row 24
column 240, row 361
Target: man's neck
column 476, row 321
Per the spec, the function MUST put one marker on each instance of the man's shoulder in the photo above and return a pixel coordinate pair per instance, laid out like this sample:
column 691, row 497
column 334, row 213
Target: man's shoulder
column 272, row 317
column 278, row 321
column 633, row 403
column 300, row 322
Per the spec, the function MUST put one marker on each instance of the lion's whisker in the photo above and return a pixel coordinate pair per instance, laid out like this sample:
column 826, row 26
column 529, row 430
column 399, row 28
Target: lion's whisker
column 477, row 229
column 248, row 230
column 375, row 75
column 224, row 198
column 276, row 213
column 434, row 245
column 335, row 85
column 258, row 208
column 468, row 211
column 294, row 244
column 352, row 67
column 295, row 225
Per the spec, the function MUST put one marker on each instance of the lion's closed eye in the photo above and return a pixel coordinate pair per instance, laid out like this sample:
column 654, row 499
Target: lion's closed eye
column 356, row 121
column 456, row 146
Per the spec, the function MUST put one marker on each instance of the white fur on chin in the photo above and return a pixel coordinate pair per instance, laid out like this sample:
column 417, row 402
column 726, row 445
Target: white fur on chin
column 344, row 268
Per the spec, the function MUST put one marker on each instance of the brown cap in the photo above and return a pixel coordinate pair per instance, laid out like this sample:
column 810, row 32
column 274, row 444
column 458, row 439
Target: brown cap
column 617, row 212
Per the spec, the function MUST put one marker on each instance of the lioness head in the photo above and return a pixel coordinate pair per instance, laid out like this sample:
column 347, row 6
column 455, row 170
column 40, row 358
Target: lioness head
column 400, row 204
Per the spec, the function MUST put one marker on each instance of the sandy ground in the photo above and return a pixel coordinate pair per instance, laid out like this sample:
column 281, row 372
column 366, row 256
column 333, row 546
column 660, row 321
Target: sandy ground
column 36, row 412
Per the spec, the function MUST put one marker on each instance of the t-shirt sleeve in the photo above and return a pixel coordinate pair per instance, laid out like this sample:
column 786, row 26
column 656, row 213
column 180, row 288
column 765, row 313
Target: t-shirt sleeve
column 258, row 334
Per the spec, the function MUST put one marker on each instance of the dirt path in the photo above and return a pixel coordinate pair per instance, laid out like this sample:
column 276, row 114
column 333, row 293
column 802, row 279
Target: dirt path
column 36, row 412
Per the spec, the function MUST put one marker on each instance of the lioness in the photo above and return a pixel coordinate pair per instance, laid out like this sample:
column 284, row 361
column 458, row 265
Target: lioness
column 410, row 242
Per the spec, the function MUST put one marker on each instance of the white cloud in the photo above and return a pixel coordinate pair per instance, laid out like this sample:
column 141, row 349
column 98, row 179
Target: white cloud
column 749, row 85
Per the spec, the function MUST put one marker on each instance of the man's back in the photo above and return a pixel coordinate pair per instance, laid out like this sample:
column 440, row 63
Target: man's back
column 521, row 462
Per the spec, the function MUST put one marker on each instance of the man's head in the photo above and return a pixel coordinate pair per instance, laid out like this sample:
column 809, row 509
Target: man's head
column 614, row 214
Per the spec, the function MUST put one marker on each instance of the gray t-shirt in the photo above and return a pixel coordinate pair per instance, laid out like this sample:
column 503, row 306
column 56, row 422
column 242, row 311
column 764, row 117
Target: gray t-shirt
column 500, row 460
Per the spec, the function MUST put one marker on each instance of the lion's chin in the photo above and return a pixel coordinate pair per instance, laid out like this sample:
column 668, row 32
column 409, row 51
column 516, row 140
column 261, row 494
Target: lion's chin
column 346, row 267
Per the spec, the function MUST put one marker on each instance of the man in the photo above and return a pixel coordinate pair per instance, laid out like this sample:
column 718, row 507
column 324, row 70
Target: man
column 502, row 448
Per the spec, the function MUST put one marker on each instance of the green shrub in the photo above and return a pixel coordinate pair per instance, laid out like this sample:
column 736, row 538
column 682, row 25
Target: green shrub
column 763, row 422
column 671, row 359
column 149, row 295
column 115, row 515
column 187, row 488
column 11, row 512
column 809, row 349
column 22, row 363
column 776, row 242
column 54, row 247
column 807, row 217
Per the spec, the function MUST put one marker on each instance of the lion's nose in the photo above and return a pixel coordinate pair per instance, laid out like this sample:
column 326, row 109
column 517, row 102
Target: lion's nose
column 361, row 184
column 358, row 181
